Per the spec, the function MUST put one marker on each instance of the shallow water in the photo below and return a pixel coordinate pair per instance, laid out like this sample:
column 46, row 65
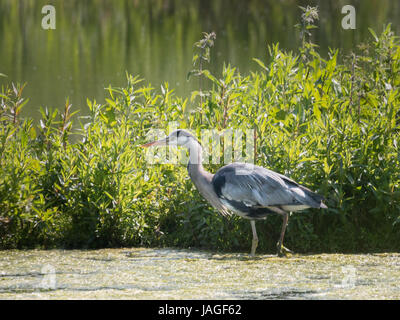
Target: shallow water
column 138, row 273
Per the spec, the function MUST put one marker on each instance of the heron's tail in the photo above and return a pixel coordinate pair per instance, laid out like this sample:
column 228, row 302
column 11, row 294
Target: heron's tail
column 317, row 200
column 323, row 205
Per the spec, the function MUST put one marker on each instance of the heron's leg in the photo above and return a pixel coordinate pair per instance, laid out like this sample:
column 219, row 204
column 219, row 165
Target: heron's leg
column 255, row 238
column 281, row 249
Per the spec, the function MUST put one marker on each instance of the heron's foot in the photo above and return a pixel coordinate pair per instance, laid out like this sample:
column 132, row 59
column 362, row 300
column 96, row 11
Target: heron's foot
column 254, row 245
column 283, row 251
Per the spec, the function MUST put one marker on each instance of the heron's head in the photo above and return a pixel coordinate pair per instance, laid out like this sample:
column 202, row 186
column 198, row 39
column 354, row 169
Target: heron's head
column 178, row 137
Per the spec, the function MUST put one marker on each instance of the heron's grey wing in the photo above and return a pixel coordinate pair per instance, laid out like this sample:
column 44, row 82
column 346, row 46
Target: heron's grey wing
column 256, row 186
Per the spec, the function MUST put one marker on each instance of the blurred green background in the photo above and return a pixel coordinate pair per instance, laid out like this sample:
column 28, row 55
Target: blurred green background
column 97, row 41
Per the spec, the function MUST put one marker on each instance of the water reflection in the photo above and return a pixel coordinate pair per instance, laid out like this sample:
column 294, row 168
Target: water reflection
column 97, row 41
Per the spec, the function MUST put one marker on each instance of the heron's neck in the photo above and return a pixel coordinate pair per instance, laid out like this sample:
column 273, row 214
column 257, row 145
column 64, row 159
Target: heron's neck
column 200, row 177
column 195, row 167
column 195, row 154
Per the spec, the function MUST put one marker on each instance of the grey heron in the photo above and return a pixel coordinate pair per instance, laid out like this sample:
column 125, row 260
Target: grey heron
column 247, row 190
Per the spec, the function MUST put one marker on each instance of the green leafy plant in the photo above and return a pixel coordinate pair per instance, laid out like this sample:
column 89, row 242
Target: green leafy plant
column 203, row 46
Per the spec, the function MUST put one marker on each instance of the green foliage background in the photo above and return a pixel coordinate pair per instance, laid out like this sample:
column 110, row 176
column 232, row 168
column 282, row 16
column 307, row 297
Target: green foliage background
column 331, row 124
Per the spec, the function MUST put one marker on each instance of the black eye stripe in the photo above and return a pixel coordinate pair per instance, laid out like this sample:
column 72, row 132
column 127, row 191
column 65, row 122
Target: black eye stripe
column 177, row 134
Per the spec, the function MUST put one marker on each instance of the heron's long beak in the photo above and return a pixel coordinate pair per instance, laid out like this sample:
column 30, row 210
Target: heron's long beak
column 161, row 142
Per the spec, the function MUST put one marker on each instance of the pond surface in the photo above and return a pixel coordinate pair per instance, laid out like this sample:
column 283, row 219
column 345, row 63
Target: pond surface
column 96, row 42
column 138, row 273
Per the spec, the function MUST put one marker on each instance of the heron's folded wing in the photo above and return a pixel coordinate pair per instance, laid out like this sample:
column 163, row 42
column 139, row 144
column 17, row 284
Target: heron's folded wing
column 257, row 186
